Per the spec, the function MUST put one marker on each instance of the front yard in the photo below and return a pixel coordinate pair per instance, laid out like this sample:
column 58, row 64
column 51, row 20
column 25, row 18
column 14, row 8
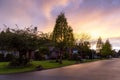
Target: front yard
column 45, row 64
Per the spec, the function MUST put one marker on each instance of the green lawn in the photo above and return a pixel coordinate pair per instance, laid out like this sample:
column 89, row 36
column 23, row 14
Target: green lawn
column 45, row 64
column 4, row 69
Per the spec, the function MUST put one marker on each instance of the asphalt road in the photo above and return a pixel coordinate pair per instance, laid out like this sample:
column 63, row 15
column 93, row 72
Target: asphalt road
column 99, row 70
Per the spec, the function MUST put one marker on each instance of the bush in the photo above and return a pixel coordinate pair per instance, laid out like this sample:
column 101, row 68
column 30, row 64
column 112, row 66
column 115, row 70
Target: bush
column 9, row 57
column 74, row 56
column 1, row 57
column 19, row 62
column 66, row 55
column 38, row 56
column 14, row 62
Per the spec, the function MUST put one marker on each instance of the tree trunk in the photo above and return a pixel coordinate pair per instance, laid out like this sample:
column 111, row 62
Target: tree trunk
column 60, row 61
column 70, row 53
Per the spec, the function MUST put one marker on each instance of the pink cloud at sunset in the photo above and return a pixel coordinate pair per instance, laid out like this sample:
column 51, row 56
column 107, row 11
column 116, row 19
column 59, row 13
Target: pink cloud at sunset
column 96, row 17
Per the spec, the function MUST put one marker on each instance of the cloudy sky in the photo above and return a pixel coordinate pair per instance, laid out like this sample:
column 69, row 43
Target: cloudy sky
column 95, row 17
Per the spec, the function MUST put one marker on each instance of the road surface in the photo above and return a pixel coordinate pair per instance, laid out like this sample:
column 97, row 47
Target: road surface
column 98, row 70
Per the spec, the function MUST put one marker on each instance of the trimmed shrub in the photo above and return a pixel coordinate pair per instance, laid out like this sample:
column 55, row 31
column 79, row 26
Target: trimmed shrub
column 19, row 62
column 9, row 57
column 1, row 57
column 38, row 56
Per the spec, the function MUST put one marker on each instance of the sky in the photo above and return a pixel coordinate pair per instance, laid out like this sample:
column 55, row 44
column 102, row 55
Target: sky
column 95, row 17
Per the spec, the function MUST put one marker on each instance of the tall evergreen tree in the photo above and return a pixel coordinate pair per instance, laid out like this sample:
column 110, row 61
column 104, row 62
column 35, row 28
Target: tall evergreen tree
column 60, row 29
column 62, row 34
column 106, row 49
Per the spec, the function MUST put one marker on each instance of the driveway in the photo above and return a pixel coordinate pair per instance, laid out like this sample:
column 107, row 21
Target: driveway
column 98, row 70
